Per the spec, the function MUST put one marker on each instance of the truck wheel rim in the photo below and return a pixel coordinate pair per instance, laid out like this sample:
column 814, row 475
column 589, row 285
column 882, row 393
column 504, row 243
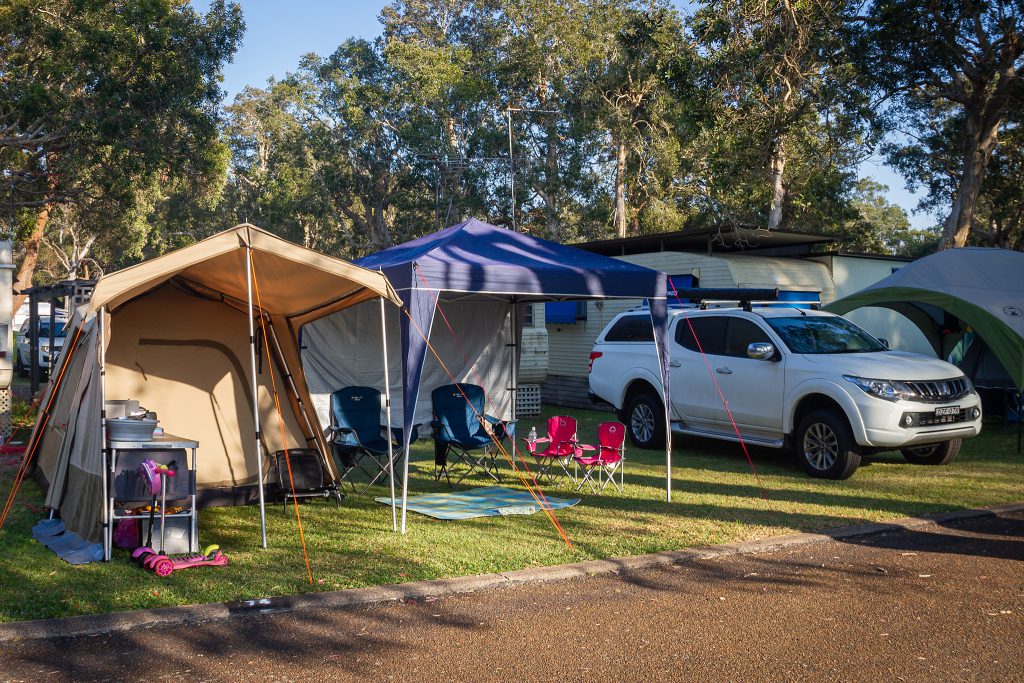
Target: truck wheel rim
column 821, row 446
column 643, row 422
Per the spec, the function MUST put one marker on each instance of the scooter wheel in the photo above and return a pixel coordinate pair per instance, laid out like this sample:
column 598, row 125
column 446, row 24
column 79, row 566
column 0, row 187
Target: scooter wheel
column 163, row 567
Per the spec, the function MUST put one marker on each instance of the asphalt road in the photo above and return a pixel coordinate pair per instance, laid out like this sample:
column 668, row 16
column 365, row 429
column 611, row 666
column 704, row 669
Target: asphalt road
column 942, row 603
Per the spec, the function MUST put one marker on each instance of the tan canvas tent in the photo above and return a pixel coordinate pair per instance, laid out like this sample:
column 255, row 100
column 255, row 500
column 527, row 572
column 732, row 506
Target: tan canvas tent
column 177, row 333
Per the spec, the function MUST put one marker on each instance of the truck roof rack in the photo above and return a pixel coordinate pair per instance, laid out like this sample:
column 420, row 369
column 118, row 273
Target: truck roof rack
column 746, row 298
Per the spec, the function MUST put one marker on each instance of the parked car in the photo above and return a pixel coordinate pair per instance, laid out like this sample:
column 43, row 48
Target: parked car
column 46, row 354
column 806, row 379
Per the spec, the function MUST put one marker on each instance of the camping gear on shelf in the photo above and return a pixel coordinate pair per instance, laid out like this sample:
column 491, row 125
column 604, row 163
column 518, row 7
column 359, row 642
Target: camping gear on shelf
column 127, row 421
column 165, row 565
column 606, row 462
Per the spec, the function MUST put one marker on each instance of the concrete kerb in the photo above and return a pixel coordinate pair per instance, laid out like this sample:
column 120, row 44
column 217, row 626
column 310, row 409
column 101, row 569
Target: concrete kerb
column 119, row 621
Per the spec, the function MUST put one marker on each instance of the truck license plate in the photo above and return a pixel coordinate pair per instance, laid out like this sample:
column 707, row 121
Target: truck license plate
column 951, row 410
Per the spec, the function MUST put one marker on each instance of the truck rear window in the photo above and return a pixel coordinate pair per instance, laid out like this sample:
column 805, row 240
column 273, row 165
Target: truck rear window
column 631, row 328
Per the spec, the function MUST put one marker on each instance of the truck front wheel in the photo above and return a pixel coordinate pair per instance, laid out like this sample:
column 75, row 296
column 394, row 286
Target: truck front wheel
column 825, row 446
column 933, row 453
column 645, row 420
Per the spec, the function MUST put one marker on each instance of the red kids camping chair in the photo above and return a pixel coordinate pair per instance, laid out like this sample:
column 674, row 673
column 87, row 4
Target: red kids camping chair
column 553, row 461
column 600, row 465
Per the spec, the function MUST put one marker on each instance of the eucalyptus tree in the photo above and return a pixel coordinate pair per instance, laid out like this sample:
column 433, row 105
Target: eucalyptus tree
column 101, row 101
column 443, row 55
column 631, row 99
column 785, row 121
column 952, row 70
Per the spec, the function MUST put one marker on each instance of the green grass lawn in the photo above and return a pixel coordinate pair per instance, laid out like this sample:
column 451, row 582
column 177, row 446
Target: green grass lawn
column 715, row 499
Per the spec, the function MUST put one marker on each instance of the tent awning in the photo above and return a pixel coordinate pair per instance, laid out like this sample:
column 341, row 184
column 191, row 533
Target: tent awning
column 294, row 281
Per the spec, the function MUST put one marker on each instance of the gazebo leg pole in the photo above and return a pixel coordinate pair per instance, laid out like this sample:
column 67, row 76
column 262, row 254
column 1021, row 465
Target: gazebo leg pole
column 387, row 410
column 255, row 395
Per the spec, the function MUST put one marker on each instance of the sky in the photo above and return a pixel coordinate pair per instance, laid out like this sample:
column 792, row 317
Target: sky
column 279, row 32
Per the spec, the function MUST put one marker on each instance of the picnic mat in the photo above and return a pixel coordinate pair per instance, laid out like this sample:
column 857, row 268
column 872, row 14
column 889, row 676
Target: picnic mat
column 489, row 501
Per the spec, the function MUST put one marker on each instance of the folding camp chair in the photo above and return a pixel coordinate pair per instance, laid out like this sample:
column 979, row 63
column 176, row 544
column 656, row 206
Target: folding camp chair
column 553, row 461
column 611, row 452
column 463, row 430
column 358, row 439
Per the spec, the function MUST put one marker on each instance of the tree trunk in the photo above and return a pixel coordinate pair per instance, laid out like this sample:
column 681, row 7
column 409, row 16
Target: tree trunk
column 778, row 188
column 28, row 265
column 979, row 142
column 620, row 190
column 551, row 182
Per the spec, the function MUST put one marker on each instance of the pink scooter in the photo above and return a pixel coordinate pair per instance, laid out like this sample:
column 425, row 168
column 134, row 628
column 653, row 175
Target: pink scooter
column 164, row 565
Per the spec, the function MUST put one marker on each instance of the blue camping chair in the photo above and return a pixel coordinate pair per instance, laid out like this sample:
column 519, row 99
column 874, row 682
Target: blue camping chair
column 358, row 439
column 461, row 429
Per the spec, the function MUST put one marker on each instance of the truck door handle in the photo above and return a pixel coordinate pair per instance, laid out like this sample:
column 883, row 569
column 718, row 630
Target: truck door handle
column 675, row 364
column 723, row 371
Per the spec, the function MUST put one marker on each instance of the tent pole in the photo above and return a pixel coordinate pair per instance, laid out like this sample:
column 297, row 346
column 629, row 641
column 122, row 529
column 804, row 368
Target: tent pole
column 387, row 410
column 514, row 361
column 108, row 474
column 255, row 394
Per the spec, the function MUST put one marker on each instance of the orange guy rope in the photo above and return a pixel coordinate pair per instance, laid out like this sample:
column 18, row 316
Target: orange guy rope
column 23, row 469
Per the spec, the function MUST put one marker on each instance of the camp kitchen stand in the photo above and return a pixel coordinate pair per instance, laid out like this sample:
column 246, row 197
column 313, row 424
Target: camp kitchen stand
column 124, row 486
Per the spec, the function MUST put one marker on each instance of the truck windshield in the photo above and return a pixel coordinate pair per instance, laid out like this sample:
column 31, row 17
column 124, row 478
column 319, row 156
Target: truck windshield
column 824, row 334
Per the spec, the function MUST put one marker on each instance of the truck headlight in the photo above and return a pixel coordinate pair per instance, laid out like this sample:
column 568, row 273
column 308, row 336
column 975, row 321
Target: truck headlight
column 888, row 389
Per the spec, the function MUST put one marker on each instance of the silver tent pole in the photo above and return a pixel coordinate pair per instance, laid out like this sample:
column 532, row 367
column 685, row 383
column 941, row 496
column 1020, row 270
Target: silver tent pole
column 255, row 394
column 108, row 464
column 387, row 410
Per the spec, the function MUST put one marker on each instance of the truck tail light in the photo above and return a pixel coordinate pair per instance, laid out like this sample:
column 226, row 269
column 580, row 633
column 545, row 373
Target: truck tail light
column 594, row 355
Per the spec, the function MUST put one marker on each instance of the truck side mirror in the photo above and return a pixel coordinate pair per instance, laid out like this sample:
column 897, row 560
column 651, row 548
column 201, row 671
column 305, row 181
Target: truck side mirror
column 761, row 351
column 884, row 341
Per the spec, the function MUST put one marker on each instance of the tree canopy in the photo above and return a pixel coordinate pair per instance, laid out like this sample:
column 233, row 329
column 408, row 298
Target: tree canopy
column 583, row 119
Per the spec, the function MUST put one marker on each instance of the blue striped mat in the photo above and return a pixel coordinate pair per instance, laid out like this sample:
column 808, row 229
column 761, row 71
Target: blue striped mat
column 489, row 501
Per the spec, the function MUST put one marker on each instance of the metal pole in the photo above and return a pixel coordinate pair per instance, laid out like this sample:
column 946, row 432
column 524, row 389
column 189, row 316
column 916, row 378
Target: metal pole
column 255, row 395
column 511, row 167
column 53, row 336
column 514, row 361
column 33, row 342
column 108, row 472
column 387, row 410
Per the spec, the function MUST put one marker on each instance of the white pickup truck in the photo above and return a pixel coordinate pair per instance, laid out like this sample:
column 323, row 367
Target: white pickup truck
column 806, row 379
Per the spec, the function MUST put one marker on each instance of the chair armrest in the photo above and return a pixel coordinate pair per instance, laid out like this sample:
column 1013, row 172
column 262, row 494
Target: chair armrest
column 344, row 430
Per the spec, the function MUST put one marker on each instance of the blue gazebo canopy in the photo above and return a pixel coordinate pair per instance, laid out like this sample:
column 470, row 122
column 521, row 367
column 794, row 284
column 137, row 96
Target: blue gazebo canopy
column 477, row 258
column 479, row 261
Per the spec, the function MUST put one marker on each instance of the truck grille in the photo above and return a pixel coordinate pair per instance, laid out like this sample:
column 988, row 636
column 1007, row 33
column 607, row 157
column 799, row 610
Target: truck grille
column 930, row 420
column 938, row 391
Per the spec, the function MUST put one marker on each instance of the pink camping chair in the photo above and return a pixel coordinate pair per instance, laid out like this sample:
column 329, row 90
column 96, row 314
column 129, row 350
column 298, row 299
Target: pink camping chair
column 599, row 468
column 553, row 461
